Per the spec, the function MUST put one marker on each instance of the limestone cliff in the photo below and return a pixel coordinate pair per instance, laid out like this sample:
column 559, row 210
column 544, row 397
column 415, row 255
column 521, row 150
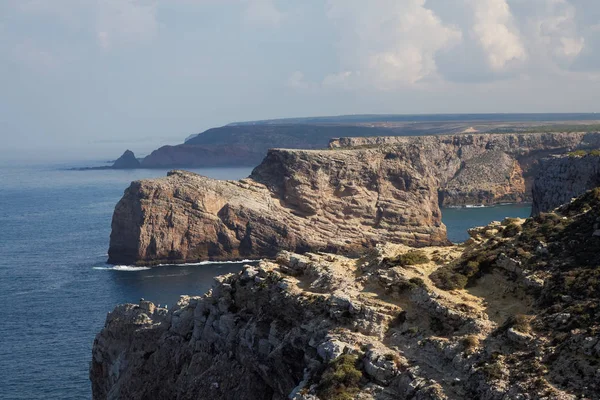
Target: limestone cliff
column 561, row 178
column 483, row 168
column 362, row 192
column 513, row 315
column 339, row 201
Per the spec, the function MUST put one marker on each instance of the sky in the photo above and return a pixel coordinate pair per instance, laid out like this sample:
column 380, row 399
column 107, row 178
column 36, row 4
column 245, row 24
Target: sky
column 89, row 78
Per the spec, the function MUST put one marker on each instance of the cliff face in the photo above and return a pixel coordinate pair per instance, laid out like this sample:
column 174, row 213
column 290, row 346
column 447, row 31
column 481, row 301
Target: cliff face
column 339, row 201
column 484, row 168
column 362, row 192
column 562, row 178
column 503, row 318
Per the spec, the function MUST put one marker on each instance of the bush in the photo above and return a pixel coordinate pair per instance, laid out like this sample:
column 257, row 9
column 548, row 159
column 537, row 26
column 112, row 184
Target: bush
column 418, row 282
column 577, row 153
column 594, row 153
column 470, row 343
column 413, row 257
column 340, row 380
column 512, row 230
column 447, row 279
column 492, row 371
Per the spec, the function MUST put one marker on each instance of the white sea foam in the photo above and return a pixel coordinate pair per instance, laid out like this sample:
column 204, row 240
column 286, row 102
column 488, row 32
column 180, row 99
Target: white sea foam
column 133, row 268
column 127, row 268
column 206, row 263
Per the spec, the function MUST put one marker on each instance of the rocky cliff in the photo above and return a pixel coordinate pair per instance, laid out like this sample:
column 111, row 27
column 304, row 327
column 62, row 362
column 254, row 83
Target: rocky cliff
column 339, row 201
column 561, row 178
column 361, row 192
column 513, row 315
column 483, row 168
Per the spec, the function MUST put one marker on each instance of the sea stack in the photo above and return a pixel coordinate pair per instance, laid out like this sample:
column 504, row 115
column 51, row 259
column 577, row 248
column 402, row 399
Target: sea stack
column 126, row 161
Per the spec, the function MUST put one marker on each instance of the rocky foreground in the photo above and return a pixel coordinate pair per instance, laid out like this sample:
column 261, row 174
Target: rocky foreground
column 361, row 192
column 512, row 314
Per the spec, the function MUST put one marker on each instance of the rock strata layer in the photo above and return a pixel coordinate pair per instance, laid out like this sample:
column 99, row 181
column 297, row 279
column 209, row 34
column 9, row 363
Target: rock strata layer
column 361, row 192
column 483, row 169
column 562, row 178
column 338, row 201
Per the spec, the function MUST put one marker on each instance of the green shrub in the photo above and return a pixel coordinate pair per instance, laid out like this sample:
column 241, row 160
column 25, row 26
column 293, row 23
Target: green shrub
column 512, row 230
column 595, row 153
column 341, row 379
column 418, row 282
column 470, row 343
column 577, row 153
column 413, row 257
column 447, row 279
column 492, row 371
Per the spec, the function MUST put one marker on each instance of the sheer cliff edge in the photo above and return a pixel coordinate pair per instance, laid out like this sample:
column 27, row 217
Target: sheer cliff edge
column 360, row 192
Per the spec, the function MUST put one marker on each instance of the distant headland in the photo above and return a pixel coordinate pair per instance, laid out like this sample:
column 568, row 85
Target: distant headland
column 247, row 143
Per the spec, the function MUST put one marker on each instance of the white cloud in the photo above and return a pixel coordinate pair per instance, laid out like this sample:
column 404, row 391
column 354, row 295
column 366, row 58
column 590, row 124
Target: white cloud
column 556, row 30
column 496, row 33
column 388, row 42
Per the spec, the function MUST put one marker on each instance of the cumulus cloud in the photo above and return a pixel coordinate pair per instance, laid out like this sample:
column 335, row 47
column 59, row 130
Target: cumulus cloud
column 388, row 42
column 551, row 31
column 497, row 34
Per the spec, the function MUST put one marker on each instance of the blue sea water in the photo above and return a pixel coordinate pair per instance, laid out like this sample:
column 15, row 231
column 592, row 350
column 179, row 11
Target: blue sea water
column 458, row 220
column 55, row 288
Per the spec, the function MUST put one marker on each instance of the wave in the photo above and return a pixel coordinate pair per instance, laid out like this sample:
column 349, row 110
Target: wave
column 207, row 263
column 127, row 268
column 133, row 268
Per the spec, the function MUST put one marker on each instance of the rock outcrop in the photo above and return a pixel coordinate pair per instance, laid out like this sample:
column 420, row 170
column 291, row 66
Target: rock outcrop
column 362, row 192
column 562, row 178
column 126, row 161
column 483, row 168
column 298, row 200
column 523, row 324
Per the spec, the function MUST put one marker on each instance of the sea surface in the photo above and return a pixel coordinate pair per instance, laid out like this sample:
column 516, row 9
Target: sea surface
column 56, row 289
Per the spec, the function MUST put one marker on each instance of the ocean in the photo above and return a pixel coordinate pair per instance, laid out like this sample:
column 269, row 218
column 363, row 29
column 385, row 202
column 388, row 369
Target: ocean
column 56, row 289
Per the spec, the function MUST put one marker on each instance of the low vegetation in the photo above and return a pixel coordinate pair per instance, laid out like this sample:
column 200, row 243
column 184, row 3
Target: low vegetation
column 583, row 153
column 341, row 379
column 413, row 257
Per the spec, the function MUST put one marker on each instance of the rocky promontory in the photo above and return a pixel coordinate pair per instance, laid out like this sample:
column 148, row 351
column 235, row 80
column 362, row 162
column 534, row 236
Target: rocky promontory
column 298, row 200
column 361, row 192
column 512, row 315
column 562, row 178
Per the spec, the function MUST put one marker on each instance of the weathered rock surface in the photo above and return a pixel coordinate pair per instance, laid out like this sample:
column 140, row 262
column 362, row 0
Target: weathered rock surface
column 368, row 190
column 299, row 200
column 562, row 178
column 483, row 168
column 279, row 330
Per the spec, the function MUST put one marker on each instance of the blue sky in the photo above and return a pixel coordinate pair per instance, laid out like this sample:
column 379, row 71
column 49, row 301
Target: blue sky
column 89, row 78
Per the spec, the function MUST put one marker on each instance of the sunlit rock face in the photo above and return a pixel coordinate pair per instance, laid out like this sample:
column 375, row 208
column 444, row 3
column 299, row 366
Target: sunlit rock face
column 360, row 192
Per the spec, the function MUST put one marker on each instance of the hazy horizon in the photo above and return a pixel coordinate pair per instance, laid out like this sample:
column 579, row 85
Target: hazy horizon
column 86, row 79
